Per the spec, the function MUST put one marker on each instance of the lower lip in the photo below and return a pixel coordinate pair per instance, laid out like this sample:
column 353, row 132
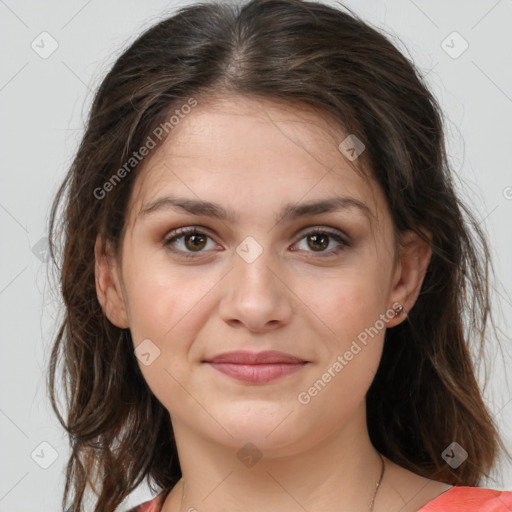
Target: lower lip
column 257, row 373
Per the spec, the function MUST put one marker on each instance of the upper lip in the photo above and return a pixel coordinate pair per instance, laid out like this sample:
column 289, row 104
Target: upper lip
column 246, row 357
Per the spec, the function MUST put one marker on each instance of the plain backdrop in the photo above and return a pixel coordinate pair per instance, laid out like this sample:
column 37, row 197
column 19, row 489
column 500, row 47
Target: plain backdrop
column 463, row 47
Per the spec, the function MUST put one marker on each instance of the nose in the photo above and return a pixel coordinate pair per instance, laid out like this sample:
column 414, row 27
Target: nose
column 255, row 295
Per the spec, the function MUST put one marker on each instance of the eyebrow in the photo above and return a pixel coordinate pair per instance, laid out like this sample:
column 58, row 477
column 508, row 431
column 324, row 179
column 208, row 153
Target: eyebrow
column 288, row 212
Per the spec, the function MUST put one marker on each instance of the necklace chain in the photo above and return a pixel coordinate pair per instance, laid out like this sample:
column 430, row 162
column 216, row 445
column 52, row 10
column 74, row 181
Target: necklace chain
column 378, row 483
column 383, row 466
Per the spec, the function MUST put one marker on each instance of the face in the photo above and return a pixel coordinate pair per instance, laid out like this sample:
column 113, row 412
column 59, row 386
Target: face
column 274, row 274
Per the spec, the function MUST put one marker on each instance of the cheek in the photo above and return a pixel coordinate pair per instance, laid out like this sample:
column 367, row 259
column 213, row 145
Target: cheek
column 153, row 306
column 353, row 346
column 168, row 308
column 349, row 306
column 159, row 298
column 346, row 302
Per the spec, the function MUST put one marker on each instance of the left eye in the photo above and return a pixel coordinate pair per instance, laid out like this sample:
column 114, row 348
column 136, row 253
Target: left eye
column 318, row 238
column 193, row 241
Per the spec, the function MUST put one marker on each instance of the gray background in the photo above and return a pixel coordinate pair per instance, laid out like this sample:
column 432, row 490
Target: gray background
column 44, row 102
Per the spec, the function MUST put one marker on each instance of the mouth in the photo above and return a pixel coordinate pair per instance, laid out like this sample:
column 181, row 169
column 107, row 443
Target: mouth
column 256, row 367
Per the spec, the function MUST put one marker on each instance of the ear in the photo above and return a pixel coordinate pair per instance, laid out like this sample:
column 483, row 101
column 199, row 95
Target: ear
column 414, row 259
column 108, row 285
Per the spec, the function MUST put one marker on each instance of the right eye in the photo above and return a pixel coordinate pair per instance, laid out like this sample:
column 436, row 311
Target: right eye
column 191, row 238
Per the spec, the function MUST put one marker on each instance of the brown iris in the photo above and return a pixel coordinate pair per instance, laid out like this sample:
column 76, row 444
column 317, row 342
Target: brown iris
column 316, row 238
column 198, row 241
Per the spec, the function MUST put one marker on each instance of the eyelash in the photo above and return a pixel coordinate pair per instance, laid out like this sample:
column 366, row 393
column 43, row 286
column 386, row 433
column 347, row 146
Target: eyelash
column 193, row 230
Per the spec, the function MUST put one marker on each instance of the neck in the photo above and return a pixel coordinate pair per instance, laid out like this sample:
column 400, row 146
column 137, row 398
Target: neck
column 327, row 472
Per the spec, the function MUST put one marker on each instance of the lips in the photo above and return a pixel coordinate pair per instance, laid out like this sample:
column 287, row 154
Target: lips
column 256, row 367
column 245, row 357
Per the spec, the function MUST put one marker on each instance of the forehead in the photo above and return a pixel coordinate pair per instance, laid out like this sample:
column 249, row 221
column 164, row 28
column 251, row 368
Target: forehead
column 244, row 152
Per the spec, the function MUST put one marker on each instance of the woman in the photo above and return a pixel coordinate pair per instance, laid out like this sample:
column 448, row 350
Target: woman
column 267, row 273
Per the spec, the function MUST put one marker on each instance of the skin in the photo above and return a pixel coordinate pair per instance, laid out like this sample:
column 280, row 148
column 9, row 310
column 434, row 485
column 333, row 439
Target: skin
column 253, row 157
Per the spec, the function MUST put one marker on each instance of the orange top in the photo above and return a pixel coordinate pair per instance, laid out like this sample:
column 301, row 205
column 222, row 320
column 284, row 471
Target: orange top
column 455, row 499
column 470, row 499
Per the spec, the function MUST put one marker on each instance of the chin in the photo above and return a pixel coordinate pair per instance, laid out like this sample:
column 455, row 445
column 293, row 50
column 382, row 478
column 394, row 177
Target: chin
column 269, row 426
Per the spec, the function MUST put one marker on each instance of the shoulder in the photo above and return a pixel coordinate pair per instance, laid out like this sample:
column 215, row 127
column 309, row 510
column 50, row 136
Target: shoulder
column 152, row 505
column 470, row 499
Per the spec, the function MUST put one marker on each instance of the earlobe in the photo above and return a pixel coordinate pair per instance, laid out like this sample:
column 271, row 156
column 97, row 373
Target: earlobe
column 414, row 260
column 108, row 287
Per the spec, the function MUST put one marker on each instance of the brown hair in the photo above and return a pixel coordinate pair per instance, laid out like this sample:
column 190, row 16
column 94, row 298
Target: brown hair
column 425, row 394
